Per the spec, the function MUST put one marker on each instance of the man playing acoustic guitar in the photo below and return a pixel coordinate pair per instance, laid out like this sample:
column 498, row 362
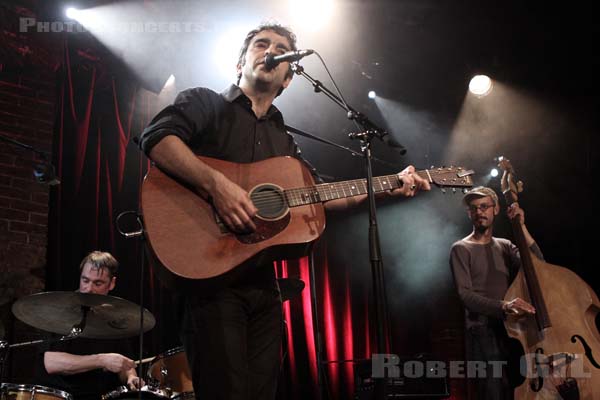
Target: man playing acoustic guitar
column 232, row 336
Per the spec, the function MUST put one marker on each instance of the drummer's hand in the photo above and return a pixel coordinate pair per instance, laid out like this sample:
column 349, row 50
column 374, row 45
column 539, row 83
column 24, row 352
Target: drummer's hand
column 133, row 382
column 116, row 363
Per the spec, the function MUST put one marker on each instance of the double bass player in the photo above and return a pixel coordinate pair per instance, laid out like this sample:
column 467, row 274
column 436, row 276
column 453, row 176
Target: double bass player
column 483, row 267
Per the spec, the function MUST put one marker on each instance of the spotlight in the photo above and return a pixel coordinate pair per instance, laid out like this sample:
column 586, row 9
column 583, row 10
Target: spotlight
column 311, row 15
column 170, row 81
column 71, row 12
column 480, row 85
column 372, row 94
column 494, row 172
column 226, row 48
column 168, row 88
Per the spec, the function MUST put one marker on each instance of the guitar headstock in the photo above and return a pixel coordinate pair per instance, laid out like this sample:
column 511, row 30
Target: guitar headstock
column 510, row 185
column 455, row 177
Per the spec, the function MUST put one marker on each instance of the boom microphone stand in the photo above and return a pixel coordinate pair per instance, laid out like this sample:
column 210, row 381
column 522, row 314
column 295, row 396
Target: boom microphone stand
column 368, row 131
column 44, row 172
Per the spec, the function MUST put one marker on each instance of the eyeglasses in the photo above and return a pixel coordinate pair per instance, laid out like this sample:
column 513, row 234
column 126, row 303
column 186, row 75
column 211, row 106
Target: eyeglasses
column 483, row 207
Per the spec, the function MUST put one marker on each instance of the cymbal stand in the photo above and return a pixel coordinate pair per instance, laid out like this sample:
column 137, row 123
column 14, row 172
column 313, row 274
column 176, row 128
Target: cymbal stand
column 129, row 235
column 75, row 332
column 3, row 354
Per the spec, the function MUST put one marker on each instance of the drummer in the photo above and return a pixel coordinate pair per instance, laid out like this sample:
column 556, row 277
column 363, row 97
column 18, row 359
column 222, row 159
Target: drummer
column 89, row 368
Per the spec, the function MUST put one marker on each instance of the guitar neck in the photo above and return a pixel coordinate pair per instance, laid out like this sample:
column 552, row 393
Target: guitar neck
column 338, row 190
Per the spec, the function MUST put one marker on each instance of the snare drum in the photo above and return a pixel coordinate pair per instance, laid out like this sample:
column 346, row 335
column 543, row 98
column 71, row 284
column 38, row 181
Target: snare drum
column 171, row 370
column 13, row 391
column 147, row 393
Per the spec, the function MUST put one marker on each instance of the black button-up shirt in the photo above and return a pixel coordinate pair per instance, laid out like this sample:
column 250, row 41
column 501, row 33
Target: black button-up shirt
column 221, row 126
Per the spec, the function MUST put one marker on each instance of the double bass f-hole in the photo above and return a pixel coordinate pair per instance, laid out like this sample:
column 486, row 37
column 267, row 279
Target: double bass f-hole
column 545, row 366
column 587, row 349
column 539, row 361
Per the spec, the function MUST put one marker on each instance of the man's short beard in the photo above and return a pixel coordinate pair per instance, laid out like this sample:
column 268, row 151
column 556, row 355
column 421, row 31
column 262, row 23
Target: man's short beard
column 482, row 229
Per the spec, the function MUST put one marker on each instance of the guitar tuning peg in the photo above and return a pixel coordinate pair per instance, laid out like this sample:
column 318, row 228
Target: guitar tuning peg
column 465, row 190
column 432, row 167
column 444, row 191
column 453, row 190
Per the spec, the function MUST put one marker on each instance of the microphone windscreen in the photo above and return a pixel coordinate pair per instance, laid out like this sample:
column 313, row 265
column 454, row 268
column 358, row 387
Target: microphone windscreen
column 270, row 62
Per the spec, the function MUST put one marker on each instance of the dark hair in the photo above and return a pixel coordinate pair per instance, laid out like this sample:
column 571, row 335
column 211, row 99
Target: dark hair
column 101, row 260
column 267, row 26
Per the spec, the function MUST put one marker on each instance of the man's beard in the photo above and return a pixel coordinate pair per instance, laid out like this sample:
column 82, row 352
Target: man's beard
column 481, row 228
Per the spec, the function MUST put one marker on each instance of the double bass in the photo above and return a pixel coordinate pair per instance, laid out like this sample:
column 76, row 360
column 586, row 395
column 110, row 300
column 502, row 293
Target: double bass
column 561, row 342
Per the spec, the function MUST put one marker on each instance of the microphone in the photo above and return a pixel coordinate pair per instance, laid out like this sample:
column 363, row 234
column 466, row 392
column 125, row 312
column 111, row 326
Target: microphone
column 272, row 61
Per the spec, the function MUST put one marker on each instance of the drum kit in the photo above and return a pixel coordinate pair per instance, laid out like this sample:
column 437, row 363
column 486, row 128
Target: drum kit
column 95, row 316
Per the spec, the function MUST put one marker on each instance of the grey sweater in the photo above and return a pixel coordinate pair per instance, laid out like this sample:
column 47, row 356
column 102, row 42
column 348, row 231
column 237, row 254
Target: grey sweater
column 482, row 274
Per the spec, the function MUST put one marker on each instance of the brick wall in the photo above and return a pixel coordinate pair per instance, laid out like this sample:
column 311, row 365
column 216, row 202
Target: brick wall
column 27, row 99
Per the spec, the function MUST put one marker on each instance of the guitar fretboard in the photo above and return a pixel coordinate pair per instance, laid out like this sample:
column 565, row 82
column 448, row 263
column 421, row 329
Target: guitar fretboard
column 338, row 190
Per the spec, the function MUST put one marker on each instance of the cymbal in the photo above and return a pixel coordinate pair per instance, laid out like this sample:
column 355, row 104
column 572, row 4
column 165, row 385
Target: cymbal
column 108, row 317
column 290, row 287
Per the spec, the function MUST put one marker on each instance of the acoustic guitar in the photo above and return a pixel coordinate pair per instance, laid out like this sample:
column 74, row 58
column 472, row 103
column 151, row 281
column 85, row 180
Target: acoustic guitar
column 192, row 248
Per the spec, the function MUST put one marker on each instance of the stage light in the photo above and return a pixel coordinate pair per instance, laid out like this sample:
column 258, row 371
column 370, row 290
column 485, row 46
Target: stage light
column 170, row 81
column 88, row 18
column 311, row 14
column 480, row 85
column 372, row 94
column 226, row 50
column 494, row 172
column 71, row 12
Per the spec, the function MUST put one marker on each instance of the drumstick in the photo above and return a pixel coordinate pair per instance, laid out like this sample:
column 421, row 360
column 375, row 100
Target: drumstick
column 145, row 360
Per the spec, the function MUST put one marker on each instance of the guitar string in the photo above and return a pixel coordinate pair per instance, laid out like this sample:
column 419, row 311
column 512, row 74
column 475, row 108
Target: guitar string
column 337, row 186
column 305, row 197
column 313, row 189
column 266, row 199
column 326, row 191
column 330, row 188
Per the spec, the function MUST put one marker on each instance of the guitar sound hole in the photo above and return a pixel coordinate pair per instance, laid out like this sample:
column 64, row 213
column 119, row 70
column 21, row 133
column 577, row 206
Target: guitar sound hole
column 270, row 201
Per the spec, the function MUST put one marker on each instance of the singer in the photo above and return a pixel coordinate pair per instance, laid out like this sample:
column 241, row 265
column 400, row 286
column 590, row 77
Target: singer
column 232, row 337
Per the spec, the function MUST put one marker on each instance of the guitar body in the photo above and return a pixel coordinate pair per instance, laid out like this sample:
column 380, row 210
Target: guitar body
column 192, row 249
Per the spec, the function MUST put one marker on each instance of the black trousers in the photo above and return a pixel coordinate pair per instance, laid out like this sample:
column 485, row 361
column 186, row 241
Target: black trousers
column 489, row 343
column 233, row 342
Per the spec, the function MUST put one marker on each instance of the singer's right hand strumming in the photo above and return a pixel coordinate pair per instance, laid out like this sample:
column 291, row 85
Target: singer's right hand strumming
column 231, row 202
